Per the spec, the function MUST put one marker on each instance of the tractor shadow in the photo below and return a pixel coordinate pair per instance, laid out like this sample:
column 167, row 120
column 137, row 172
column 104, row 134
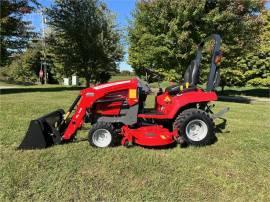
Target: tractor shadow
column 165, row 147
column 78, row 140
column 220, row 129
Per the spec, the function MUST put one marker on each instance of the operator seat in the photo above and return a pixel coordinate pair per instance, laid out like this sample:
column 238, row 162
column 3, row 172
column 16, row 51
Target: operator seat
column 191, row 76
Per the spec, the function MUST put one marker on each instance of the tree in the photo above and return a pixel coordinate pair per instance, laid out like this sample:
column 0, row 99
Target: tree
column 254, row 67
column 15, row 32
column 164, row 33
column 84, row 39
column 259, row 67
column 25, row 66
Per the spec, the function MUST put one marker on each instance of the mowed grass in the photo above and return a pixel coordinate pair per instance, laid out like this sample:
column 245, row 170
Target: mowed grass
column 236, row 167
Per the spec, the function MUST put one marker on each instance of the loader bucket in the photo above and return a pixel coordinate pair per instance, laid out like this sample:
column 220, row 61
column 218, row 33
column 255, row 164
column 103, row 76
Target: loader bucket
column 44, row 131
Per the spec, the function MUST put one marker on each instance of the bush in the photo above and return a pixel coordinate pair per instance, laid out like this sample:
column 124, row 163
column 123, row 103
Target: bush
column 251, row 74
column 25, row 67
column 259, row 82
column 19, row 71
column 232, row 77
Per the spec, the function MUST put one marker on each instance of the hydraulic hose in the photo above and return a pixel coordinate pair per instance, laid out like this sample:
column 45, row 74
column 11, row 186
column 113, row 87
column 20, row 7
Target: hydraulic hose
column 72, row 107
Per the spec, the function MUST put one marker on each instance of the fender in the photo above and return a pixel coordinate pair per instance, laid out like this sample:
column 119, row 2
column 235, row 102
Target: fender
column 184, row 99
column 168, row 110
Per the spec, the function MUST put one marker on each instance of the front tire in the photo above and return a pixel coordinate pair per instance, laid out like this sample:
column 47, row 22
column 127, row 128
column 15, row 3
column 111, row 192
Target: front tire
column 102, row 135
column 196, row 127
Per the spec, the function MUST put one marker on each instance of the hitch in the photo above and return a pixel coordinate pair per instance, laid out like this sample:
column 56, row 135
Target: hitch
column 220, row 113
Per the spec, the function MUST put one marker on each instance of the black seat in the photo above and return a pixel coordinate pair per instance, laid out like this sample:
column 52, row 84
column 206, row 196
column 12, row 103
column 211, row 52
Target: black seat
column 192, row 74
column 191, row 77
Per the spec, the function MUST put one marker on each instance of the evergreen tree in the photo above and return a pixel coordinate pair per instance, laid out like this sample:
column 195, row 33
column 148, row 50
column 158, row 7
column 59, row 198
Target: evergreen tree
column 15, row 32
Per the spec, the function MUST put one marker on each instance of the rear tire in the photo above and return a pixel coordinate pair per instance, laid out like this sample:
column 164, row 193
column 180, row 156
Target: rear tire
column 196, row 127
column 102, row 135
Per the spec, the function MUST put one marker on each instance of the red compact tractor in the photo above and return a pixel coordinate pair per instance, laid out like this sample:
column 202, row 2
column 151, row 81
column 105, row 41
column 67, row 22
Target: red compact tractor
column 117, row 114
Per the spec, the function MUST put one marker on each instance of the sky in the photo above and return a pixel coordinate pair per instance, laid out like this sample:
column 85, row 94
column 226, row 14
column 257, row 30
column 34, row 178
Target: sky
column 122, row 8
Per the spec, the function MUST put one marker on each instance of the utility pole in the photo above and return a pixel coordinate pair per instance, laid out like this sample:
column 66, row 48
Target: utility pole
column 44, row 61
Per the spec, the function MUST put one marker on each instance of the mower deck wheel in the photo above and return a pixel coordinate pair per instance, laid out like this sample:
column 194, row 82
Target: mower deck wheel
column 102, row 135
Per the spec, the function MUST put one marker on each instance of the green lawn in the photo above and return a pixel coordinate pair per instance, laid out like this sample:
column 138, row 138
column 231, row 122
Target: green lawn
column 236, row 167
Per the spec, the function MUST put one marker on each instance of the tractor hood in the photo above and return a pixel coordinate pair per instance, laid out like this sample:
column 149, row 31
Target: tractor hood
column 118, row 85
column 115, row 84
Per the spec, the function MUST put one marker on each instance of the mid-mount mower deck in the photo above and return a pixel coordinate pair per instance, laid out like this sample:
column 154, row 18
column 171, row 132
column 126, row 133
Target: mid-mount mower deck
column 117, row 113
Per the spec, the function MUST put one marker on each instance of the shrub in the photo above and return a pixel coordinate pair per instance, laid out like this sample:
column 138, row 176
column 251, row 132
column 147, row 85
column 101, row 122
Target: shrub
column 231, row 77
column 259, row 82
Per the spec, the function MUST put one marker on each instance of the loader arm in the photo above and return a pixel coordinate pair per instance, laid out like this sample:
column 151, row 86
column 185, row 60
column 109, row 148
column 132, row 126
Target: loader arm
column 87, row 98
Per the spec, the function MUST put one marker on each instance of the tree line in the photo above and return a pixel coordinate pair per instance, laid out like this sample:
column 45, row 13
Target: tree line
column 82, row 38
column 164, row 35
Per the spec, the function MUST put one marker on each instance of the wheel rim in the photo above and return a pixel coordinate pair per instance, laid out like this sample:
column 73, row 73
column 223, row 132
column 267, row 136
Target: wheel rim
column 102, row 138
column 196, row 130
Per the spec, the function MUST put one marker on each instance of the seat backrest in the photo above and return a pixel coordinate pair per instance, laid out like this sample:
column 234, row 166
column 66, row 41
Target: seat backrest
column 192, row 73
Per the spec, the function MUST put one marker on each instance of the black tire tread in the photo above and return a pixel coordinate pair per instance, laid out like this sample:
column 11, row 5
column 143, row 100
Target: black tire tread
column 103, row 125
column 181, row 121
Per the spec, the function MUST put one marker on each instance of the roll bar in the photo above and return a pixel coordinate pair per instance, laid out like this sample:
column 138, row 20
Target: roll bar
column 213, row 76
